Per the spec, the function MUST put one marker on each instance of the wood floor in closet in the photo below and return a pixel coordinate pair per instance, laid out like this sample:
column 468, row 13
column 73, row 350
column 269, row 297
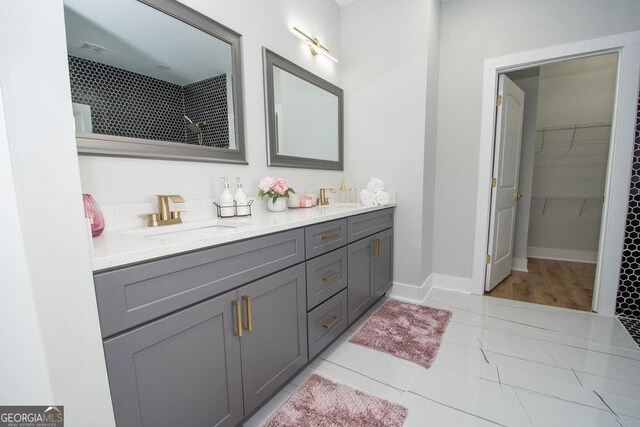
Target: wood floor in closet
column 550, row 282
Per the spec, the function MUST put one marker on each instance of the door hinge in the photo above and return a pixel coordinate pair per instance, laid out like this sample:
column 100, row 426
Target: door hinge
column 488, row 259
column 494, row 182
column 498, row 100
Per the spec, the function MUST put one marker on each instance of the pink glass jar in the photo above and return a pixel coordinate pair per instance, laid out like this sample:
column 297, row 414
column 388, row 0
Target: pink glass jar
column 94, row 214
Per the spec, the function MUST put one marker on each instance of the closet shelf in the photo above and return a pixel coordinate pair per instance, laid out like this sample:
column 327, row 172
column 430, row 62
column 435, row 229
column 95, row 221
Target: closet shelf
column 573, row 128
column 536, row 196
column 583, row 199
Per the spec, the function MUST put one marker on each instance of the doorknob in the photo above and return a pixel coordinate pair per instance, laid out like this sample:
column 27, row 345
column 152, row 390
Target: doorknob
column 518, row 196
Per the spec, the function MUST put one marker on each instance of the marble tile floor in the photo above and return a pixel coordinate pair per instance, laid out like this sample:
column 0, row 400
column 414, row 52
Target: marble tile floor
column 632, row 325
column 501, row 362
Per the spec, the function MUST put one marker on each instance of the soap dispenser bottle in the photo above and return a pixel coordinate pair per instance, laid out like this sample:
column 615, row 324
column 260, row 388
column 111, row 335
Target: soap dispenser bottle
column 226, row 201
column 242, row 208
column 343, row 195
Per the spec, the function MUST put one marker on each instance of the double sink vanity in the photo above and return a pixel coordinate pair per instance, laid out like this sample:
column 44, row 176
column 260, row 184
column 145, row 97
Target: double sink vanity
column 202, row 322
column 217, row 327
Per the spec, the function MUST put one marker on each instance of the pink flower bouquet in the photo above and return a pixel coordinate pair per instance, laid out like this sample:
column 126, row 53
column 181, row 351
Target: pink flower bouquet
column 274, row 188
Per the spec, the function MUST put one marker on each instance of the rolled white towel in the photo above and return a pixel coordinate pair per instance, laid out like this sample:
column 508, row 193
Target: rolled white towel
column 367, row 198
column 375, row 185
column 383, row 198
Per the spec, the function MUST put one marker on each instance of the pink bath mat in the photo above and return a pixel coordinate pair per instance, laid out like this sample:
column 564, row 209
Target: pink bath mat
column 320, row 402
column 409, row 331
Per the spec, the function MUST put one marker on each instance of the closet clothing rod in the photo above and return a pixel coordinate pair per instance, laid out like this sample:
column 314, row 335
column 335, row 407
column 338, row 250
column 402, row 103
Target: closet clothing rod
column 584, row 201
column 567, row 197
column 574, row 126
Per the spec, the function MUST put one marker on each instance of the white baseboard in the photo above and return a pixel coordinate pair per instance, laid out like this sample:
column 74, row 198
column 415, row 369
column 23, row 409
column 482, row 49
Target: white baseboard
column 452, row 283
column 519, row 264
column 562, row 254
column 414, row 293
column 408, row 292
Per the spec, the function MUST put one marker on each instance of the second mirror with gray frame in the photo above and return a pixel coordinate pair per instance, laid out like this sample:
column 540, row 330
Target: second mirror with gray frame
column 304, row 117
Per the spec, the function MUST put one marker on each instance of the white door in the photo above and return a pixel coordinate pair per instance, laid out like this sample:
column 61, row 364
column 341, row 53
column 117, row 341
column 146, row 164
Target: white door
column 504, row 195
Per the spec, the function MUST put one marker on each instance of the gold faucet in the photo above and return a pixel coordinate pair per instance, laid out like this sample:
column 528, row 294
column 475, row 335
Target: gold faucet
column 323, row 200
column 164, row 215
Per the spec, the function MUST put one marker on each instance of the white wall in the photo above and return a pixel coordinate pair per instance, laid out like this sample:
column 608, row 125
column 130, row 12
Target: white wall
column 261, row 23
column 528, row 81
column 471, row 32
column 385, row 68
column 44, row 242
column 577, row 91
column 19, row 328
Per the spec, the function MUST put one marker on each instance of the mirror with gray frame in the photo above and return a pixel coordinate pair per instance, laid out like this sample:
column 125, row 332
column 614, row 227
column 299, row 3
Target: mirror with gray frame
column 304, row 117
column 154, row 79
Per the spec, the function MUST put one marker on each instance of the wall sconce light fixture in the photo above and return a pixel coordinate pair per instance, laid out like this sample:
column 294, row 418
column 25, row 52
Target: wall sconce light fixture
column 315, row 46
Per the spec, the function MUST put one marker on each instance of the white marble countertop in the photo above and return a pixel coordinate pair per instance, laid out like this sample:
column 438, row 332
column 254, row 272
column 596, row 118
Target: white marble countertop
column 119, row 247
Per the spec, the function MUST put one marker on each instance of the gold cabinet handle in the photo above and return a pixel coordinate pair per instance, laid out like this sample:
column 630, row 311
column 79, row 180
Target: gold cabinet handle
column 332, row 323
column 238, row 313
column 329, row 236
column 331, row 276
column 518, row 196
column 247, row 305
column 376, row 248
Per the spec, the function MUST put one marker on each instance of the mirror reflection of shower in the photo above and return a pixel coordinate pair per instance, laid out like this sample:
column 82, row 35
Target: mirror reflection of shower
column 196, row 127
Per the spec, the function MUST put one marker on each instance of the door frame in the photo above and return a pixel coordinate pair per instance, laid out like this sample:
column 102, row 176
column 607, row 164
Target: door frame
column 614, row 211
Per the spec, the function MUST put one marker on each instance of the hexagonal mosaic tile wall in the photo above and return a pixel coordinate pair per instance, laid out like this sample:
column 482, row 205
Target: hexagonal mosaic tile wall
column 628, row 301
column 133, row 105
column 206, row 100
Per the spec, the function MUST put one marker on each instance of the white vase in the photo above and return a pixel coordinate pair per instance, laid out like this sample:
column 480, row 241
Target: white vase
column 278, row 206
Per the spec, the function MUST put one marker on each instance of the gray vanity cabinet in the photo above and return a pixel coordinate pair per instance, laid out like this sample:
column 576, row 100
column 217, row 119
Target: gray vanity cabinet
column 370, row 267
column 276, row 346
column 204, row 338
column 191, row 365
column 178, row 370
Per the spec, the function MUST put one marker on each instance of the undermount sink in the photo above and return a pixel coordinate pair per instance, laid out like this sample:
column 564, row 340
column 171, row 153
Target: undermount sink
column 343, row 205
column 183, row 228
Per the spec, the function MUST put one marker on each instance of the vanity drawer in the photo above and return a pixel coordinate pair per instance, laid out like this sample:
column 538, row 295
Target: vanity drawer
column 364, row 225
column 326, row 322
column 326, row 276
column 325, row 237
column 134, row 295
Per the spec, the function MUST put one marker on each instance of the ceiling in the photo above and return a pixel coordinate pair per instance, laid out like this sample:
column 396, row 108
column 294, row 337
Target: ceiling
column 139, row 38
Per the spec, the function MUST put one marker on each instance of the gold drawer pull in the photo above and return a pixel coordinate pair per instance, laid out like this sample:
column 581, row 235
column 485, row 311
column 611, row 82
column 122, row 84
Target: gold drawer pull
column 247, row 305
column 376, row 248
column 332, row 323
column 238, row 313
column 331, row 276
column 329, row 236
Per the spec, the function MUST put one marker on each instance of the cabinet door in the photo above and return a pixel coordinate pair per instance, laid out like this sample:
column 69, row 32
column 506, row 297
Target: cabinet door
column 182, row 369
column 383, row 263
column 359, row 267
column 276, row 347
